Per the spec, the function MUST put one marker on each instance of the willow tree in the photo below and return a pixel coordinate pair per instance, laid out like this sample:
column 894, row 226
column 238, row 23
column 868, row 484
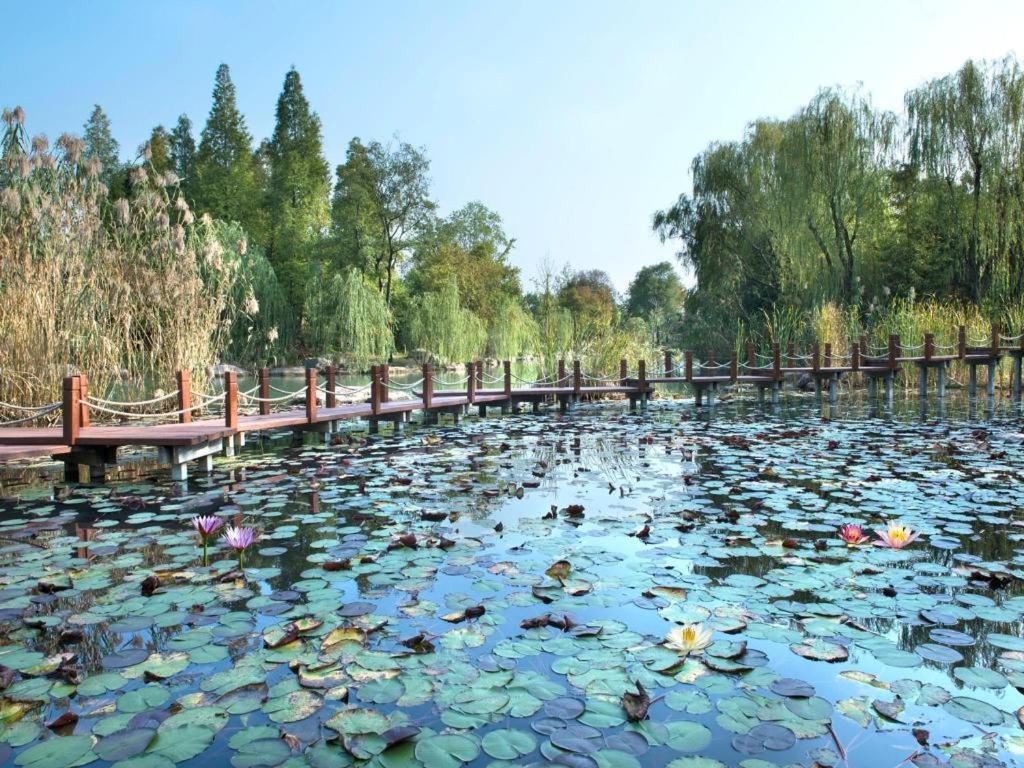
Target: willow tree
column 844, row 148
column 439, row 328
column 348, row 318
column 513, row 332
column 952, row 122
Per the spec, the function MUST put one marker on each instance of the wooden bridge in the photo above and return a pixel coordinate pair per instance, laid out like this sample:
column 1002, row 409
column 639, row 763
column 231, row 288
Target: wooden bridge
column 181, row 438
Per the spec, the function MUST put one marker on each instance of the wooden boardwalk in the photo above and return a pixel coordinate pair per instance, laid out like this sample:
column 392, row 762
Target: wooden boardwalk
column 81, row 444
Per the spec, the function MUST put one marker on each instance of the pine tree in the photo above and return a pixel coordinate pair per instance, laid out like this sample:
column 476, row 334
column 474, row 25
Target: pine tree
column 298, row 189
column 101, row 144
column 158, row 149
column 183, row 154
column 227, row 177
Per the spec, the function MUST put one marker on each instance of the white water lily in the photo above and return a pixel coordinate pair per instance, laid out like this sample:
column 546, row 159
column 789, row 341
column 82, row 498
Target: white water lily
column 691, row 638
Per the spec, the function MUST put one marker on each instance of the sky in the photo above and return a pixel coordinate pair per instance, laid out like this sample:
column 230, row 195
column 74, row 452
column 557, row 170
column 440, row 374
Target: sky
column 576, row 121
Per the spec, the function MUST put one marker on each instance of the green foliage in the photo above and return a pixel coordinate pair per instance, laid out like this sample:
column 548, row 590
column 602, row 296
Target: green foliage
column 298, row 188
column 183, row 155
column 228, row 178
column 513, row 331
column 657, row 295
column 438, row 328
column 347, row 318
column 101, row 145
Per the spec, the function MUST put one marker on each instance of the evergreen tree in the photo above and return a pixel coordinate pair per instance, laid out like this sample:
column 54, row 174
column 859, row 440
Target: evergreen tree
column 298, row 189
column 158, row 149
column 183, row 154
column 101, row 144
column 227, row 177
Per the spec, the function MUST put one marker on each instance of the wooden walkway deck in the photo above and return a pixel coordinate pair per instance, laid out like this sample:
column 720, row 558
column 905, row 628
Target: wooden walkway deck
column 79, row 443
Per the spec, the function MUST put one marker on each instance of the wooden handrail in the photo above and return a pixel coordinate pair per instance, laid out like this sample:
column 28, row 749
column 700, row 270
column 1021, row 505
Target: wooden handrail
column 623, row 372
column 790, row 355
column 929, row 346
column 641, row 376
column 385, row 383
column 231, row 400
column 828, row 355
column 331, row 400
column 428, row 385
column 471, row 382
column 854, row 355
column 776, row 362
column 184, row 382
column 311, row 395
column 733, row 366
column 961, row 342
column 577, row 376
column 815, row 357
column 894, row 351
column 83, row 394
column 507, row 372
column 751, row 356
column 71, row 409
column 688, row 366
column 668, row 362
column 264, row 392
column 561, row 374
column 995, row 339
column 375, row 389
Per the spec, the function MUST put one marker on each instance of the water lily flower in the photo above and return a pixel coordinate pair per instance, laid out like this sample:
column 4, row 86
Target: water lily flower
column 852, row 534
column 691, row 638
column 896, row 536
column 206, row 526
column 240, row 539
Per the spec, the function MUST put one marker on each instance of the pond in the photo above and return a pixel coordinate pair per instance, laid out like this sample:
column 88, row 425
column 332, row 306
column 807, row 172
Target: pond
column 486, row 595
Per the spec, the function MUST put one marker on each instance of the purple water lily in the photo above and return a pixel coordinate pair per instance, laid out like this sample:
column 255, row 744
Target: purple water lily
column 206, row 526
column 240, row 539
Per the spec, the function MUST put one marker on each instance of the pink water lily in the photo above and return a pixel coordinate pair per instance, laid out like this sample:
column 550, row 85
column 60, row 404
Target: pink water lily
column 852, row 534
column 206, row 526
column 240, row 539
column 896, row 536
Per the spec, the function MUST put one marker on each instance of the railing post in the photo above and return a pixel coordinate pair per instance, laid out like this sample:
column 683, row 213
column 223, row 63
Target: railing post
column 428, row 384
column 828, row 355
column 894, row 351
column 375, row 389
column 83, row 394
column 471, row 382
column 71, row 409
column 790, row 354
column 479, row 375
column 733, row 366
column 929, row 346
column 264, row 391
column 507, row 371
column 688, row 366
column 331, row 400
column 385, row 383
column 577, row 376
column 863, row 344
column 854, row 355
column 184, row 379
column 961, row 342
column 623, row 372
column 995, row 341
column 561, row 373
column 751, row 356
column 231, row 400
column 815, row 357
column 641, row 375
column 310, row 395
column 668, row 362
column 776, row 362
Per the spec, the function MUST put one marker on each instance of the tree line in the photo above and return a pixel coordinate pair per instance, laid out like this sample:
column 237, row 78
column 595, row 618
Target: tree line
column 359, row 264
column 858, row 211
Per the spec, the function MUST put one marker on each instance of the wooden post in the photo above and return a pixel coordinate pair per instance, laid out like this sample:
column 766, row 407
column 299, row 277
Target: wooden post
column 961, row 342
column 828, row 355
column 479, row 375
column 854, row 355
column 790, row 355
column 471, row 382
column 231, row 400
column 623, row 372
column 507, row 370
column 561, row 373
column 428, row 384
column 863, row 345
column 83, row 394
column 264, row 391
column 310, row 395
column 184, row 396
column 375, row 389
column 385, row 383
column 751, row 356
column 815, row 357
column 776, row 362
column 994, row 351
column 641, row 375
column 331, row 400
column 71, row 409
column 733, row 366
column 894, row 351
column 577, row 377
column 929, row 346
column 688, row 366
column 668, row 363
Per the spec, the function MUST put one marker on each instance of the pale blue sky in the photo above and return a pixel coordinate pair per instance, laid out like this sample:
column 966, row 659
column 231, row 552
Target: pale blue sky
column 574, row 120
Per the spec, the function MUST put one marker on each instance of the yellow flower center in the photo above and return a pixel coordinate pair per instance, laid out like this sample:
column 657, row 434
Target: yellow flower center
column 898, row 534
column 690, row 635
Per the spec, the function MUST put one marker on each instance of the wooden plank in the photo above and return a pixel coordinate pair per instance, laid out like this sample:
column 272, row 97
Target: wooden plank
column 21, row 452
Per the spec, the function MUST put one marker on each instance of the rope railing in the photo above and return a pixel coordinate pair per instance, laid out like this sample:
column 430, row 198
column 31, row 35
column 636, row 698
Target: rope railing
column 39, row 412
column 134, row 403
column 409, row 387
column 28, row 408
column 93, row 405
